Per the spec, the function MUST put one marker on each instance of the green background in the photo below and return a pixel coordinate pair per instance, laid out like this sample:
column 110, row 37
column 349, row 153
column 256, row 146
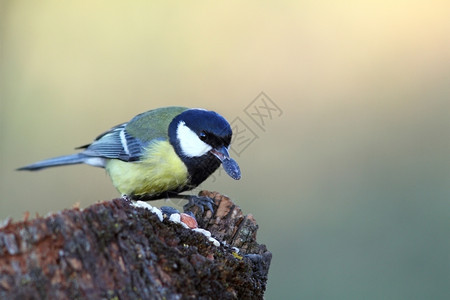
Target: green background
column 350, row 185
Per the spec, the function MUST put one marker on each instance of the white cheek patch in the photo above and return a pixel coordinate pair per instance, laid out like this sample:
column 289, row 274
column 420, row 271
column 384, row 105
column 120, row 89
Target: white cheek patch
column 190, row 144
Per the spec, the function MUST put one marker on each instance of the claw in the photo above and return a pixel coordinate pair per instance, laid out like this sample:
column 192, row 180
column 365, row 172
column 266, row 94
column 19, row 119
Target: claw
column 168, row 211
column 126, row 198
column 199, row 201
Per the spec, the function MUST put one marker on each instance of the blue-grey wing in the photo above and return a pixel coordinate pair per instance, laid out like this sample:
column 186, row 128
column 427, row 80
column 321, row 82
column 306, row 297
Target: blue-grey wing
column 116, row 143
column 122, row 142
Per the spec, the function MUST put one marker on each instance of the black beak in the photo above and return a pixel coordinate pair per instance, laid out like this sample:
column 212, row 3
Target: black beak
column 229, row 164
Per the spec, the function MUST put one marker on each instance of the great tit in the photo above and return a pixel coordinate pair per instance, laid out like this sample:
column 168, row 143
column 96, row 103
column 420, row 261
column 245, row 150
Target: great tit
column 159, row 153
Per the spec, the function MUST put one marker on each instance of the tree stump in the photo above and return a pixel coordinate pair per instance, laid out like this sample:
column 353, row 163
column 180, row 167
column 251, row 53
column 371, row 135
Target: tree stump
column 115, row 250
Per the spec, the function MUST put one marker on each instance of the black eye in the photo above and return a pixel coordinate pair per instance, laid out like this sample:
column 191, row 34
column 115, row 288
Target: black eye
column 202, row 136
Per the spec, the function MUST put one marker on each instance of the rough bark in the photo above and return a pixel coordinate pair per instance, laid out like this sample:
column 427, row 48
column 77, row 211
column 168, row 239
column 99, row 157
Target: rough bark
column 113, row 250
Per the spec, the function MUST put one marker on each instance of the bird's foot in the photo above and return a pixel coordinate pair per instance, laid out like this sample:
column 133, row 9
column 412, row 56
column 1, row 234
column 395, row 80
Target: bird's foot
column 168, row 210
column 199, row 201
column 126, row 198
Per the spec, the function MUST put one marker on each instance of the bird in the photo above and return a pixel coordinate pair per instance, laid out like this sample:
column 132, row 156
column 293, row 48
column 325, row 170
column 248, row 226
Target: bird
column 159, row 154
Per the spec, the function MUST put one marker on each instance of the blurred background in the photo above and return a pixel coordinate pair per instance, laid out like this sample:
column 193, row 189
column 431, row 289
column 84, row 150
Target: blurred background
column 345, row 158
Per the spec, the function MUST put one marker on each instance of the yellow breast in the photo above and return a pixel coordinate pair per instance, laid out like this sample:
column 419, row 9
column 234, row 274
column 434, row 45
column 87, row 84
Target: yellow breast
column 159, row 171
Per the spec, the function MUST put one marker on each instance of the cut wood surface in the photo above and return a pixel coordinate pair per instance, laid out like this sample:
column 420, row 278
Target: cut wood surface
column 115, row 250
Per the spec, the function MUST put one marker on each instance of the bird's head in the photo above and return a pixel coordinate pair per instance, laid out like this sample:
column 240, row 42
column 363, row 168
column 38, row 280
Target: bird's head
column 201, row 139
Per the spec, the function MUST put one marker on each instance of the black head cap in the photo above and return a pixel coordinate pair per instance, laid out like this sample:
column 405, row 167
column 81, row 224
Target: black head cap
column 211, row 127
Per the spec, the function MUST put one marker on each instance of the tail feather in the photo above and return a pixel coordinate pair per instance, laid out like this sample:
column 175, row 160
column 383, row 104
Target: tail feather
column 72, row 159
